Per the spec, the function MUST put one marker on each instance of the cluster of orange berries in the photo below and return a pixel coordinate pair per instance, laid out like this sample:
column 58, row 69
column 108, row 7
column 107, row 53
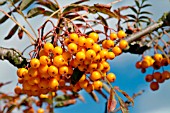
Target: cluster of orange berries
column 54, row 66
column 157, row 61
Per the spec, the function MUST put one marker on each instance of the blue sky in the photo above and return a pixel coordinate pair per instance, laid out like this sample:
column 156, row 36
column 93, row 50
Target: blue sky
column 129, row 78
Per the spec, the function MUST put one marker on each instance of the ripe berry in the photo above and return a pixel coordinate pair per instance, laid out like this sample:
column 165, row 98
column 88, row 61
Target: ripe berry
column 63, row 70
column 57, row 51
column 157, row 75
column 166, row 74
column 40, row 110
column 94, row 36
column 52, row 71
column 18, row 90
column 90, row 54
column 43, row 69
column 116, row 50
column 97, row 85
column 97, row 58
column 109, row 44
column 84, row 83
column 158, row 57
column 48, row 47
column 89, row 88
column 43, row 84
column 113, row 36
column 123, row 44
column 138, row 64
column 89, row 43
column 66, row 41
column 110, row 55
column 73, row 37
column 103, row 53
column 149, row 78
column 81, row 41
column 96, row 48
column 44, row 60
column 95, row 75
column 35, row 63
column 66, row 55
column 145, row 63
column 83, row 77
column 21, row 72
column 72, row 48
column 58, row 61
column 33, row 72
column 154, row 86
column 80, row 56
column 111, row 77
column 42, row 53
column 121, row 34
column 53, row 83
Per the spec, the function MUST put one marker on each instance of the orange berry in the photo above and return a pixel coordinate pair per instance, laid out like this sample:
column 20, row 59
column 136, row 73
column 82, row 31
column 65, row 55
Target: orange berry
column 35, row 63
column 149, row 78
column 76, row 88
column 72, row 48
column 59, row 61
column 89, row 43
column 42, row 53
column 113, row 36
column 145, row 63
column 34, row 80
column 90, row 54
column 74, row 63
column 154, row 86
column 70, row 70
column 95, row 75
column 83, row 77
column 62, row 82
column 40, row 110
column 63, row 70
column 73, row 37
column 20, row 80
column 66, row 41
column 96, row 58
column 57, row 51
column 44, row 60
column 92, row 66
column 109, row 44
column 157, row 75
column 96, row 48
column 158, row 57
column 121, row 34
column 80, row 56
column 84, row 83
column 166, row 74
column 18, row 90
column 43, row 84
column 116, row 50
column 66, row 55
column 110, row 55
column 123, row 44
column 104, row 44
column 21, row 72
column 43, row 69
column 111, row 77
column 82, row 67
column 52, row 71
column 156, row 65
column 138, row 64
column 97, row 85
column 81, row 41
column 89, row 88
column 33, row 72
column 103, row 53
column 106, row 66
column 26, row 86
column 48, row 47
column 94, row 36
column 53, row 83
column 165, row 62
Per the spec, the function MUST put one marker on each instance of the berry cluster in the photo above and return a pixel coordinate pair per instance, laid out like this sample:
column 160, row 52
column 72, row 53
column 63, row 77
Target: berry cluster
column 54, row 66
column 157, row 61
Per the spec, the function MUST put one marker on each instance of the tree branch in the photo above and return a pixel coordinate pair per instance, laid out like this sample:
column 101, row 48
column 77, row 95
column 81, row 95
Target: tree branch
column 13, row 56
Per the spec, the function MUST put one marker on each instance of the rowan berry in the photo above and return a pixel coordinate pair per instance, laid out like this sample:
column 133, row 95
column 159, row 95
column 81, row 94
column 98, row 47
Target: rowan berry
column 80, row 56
column 43, row 69
column 57, row 51
column 59, row 61
column 73, row 37
column 66, row 55
column 33, row 72
column 72, row 48
column 63, row 70
column 111, row 77
column 113, row 36
column 103, row 53
column 97, row 85
column 109, row 44
column 95, row 75
column 96, row 48
column 149, row 78
column 123, row 44
column 110, row 55
column 89, row 43
column 53, row 83
column 116, row 50
column 35, row 63
column 52, row 71
column 89, row 88
column 48, row 47
column 121, row 34
column 81, row 41
column 40, row 110
column 44, row 60
column 154, row 86
column 90, row 54
column 158, row 57
column 94, row 36
column 84, row 83
column 18, row 90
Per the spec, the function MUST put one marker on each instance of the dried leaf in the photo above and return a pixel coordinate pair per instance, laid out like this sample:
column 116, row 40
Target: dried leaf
column 111, row 103
column 94, row 96
column 48, row 13
column 101, row 92
column 108, row 6
column 4, row 18
column 103, row 20
column 65, row 103
column 25, row 4
column 80, row 1
column 11, row 108
column 106, row 87
column 48, row 4
column 127, row 96
column 20, row 33
column 123, row 106
column 12, row 32
column 35, row 11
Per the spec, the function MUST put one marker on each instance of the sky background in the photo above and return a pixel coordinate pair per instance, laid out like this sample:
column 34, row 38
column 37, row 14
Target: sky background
column 128, row 79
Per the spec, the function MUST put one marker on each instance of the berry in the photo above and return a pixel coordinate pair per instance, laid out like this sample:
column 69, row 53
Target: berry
column 63, row 70
column 123, row 44
column 35, row 63
column 52, row 71
column 40, row 110
column 158, row 57
column 73, row 38
column 80, row 56
column 89, row 88
column 113, row 36
column 89, row 43
column 109, row 44
column 95, row 75
column 57, row 51
column 18, row 90
column 33, row 72
column 149, row 78
column 81, row 41
column 154, row 86
column 121, row 34
column 97, row 85
column 116, row 50
column 53, row 83
column 48, row 47
column 111, row 77
column 44, row 60
column 96, row 48
column 72, row 48
column 94, row 36
column 58, row 61
column 90, row 54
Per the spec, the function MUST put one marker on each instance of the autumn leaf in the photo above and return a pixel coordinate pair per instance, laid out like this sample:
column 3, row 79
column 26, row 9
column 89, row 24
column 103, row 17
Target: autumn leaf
column 12, row 32
column 111, row 104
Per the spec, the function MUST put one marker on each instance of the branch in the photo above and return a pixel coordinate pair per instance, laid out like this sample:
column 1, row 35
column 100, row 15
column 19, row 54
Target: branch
column 164, row 21
column 13, row 56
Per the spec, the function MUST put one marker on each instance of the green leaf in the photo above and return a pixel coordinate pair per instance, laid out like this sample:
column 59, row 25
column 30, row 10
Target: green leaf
column 146, row 5
column 3, row 2
column 103, row 20
column 25, row 4
column 35, row 11
column 132, row 16
column 12, row 32
column 49, row 4
column 145, row 12
column 77, row 74
column 137, row 3
column 134, row 10
column 80, row 1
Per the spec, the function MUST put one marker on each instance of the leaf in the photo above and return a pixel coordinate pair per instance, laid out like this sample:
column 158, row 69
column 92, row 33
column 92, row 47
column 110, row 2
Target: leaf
column 111, row 103
column 143, row 17
column 94, row 96
column 103, row 20
column 20, row 33
column 4, row 18
column 80, row 1
column 137, row 3
column 127, row 96
column 100, row 92
column 146, row 5
column 132, row 16
column 12, row 32
column 25, row 4
column 106, row 87
column 123, row 106
column 134, row 10
column 77, row 74
column 65, row 103
column 2, row 84
column 48, row 4
column 35, row 11
column 11, row 108
column 130, row 20
column 145, row 12
column 48, row 13
column 3, row 2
